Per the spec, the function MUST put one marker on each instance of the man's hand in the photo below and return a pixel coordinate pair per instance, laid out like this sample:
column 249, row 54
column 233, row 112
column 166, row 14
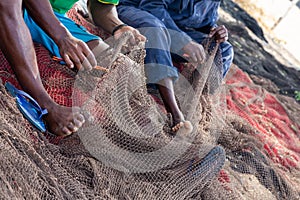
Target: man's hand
column 194, row 52
column 220, row 34
column 76, row 53
column 106, row 16
column 137, row 37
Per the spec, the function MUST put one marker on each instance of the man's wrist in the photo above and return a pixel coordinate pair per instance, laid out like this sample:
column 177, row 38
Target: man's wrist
column 118, row 28
column 60, row 34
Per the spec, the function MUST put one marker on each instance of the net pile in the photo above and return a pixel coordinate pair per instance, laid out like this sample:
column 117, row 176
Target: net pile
column 126, row 150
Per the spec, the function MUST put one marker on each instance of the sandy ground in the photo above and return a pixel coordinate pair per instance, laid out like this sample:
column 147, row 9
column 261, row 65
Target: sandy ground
column 279, row 19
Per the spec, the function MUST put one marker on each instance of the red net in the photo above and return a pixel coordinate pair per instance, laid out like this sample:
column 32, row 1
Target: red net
column 267, row 115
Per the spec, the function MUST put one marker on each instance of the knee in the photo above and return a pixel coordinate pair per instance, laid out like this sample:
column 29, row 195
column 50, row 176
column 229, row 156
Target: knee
column 154, row 27
column 157, row 35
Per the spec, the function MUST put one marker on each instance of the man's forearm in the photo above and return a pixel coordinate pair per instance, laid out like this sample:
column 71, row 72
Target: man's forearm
column 104, row 15
column 42, row 13
column 18, row 49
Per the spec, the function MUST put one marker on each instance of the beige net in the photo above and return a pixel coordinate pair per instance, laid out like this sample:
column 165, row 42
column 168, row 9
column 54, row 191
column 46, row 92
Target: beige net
column 126, row 151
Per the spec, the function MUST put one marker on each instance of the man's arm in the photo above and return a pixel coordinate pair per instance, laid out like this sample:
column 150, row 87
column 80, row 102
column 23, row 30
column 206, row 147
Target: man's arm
column 73, row 51
column 106, row 17
column 17, row 46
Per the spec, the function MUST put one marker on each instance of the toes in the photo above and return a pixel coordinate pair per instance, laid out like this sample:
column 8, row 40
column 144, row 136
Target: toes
column 72, row 127
column 78, row 122
column 186, row 125
column 80, row 118
column 177, row 126
column 66, row 131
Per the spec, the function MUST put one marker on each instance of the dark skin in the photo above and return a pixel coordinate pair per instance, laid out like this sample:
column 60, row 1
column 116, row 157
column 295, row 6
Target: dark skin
column 106, row 17
column 220, row 33
column 194, row 53
column 18, row 49
column 74, row 52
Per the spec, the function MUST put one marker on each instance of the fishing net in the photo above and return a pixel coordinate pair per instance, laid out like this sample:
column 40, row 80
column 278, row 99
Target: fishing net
column 126, row 149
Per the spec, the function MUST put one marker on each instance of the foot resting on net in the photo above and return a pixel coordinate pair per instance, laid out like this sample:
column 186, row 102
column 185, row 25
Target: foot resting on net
column 60, row 120
column 187, row 125
column 181, row 126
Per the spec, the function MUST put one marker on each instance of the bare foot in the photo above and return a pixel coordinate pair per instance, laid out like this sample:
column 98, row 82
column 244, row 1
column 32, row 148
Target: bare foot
column 181, row 125
column 63, row 121
column 166, row 91
column 177, row 126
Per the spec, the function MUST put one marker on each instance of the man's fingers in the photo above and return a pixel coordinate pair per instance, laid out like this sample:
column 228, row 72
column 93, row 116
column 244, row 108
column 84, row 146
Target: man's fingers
column 87, row 58
column 201, row 56
column 92, row 59
column 224, row 36
column 88, row 55
column 68, row 61
column 132, row 40
column 194, row 52
column 217, row 30
column 139, row 37
column 77, row 62
column 72, row 127
column 78, row 123
column 80, row 117
column 195, row 58
column 86, row 64
column 213, row 31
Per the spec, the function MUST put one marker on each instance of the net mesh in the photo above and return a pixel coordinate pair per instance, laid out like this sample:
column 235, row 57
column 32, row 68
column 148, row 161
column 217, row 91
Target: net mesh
column 126, row 151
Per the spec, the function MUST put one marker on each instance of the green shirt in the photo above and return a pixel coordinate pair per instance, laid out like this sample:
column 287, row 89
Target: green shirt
column 63, row 6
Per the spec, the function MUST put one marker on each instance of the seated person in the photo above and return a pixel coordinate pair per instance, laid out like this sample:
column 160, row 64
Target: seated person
column 17, row 46
column 104, row 15
column 41, row 32
column 176, row 27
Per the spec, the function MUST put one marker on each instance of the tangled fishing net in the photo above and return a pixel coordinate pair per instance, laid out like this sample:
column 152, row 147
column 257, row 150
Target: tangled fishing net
column 126, row 149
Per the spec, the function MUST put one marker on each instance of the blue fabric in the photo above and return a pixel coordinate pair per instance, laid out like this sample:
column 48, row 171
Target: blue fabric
column 178, row 22
column 177, row 14
column 39, row 36
column 158, row 61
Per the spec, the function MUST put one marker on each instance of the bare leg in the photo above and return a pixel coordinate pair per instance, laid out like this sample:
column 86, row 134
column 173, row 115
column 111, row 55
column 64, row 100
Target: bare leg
column 17, row 46
column 166, row 90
